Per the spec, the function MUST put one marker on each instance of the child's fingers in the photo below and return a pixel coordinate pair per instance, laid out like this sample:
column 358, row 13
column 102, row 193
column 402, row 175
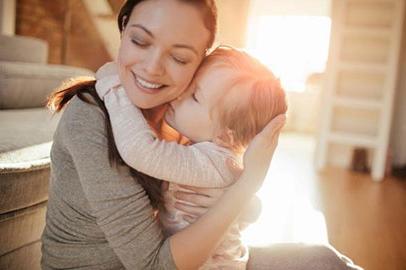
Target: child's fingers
column 108, row 69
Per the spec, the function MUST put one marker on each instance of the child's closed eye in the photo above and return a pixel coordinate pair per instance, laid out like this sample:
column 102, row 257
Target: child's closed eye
column 194, row 97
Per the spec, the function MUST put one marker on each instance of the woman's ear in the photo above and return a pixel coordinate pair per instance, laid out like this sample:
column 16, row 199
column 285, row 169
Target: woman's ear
column 124, row 22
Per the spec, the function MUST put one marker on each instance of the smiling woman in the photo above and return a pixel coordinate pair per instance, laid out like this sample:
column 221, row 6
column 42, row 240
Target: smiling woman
column 156, row 64
column 102, row 214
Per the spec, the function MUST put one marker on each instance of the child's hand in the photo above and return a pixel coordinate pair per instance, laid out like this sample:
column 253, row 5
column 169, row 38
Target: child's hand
column 259, row 153
column 108, row 69
column 107, row 79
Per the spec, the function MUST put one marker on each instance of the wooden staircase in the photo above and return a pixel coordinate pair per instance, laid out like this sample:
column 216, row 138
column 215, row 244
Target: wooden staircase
column 361, row 79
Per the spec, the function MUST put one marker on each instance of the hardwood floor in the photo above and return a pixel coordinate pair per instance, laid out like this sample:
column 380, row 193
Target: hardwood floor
column 363, row 219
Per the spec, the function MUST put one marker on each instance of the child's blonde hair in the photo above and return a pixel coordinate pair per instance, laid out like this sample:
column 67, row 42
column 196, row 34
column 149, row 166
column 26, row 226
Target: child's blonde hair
column 241, row 120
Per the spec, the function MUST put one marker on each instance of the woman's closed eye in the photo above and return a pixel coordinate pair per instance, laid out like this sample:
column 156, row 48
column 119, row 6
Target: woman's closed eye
column 180, row 60
column 139, row 42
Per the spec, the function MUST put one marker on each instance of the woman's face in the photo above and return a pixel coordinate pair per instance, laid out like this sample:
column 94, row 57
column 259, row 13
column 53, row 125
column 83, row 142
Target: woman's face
column 161, row 47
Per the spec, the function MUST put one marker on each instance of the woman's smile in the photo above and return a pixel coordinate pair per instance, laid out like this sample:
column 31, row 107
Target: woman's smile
column 146, row 86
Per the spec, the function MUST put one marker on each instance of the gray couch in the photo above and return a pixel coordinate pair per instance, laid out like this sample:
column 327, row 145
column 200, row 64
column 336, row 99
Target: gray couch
column 26, row 129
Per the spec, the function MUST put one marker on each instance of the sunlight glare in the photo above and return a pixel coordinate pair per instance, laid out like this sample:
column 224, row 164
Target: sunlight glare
column 292, row 46
column 287, row 214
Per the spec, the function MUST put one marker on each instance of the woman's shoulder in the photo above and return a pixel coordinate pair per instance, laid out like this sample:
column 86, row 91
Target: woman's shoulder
column 80, row 112
column 81, row 116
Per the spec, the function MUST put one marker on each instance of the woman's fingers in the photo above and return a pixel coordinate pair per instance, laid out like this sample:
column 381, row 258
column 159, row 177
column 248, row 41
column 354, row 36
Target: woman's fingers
column 190, row 209
column 190, row 219
column 210, row 192
column 195, row 198
column 272, row 129
column 164, row 186
column 259, row 152
column 234, row 168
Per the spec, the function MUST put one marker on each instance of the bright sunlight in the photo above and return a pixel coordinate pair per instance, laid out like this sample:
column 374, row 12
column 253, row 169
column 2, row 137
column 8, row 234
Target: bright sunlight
column 292, row 46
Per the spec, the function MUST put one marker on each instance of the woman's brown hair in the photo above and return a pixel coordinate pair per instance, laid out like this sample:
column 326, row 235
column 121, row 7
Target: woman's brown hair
column 85, row 86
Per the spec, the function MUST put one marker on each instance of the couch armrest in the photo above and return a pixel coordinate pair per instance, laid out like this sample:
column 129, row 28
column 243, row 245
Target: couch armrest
column 23, row 49
column 27, row 85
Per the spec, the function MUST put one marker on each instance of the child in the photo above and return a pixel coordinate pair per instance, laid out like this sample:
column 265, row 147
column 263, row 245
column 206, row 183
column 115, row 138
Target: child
column 230, row 100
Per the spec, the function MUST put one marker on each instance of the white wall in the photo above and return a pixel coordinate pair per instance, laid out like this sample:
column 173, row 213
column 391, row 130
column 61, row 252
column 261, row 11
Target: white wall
column 232, row 25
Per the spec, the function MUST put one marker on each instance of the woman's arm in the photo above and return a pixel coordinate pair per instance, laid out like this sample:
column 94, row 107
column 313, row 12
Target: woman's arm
column 118, row 204
column 201, row 164
column 256, row 163
column 195, row 202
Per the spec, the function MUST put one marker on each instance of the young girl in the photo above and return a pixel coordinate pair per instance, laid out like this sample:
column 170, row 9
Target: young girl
column 231, row 99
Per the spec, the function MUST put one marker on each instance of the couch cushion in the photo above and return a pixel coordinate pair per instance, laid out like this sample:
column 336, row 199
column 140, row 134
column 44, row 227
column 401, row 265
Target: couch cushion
column 21, row 227
column 27, row 85
column 23, row 49
column 24, row 177
column 26, row 257
column 26, row 127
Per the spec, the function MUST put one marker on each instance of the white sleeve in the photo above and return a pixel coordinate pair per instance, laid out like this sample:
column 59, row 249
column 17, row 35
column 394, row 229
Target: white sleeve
column 201, row 164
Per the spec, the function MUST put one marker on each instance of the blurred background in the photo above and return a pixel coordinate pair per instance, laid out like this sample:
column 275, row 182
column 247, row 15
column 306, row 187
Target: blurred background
column 338, row 175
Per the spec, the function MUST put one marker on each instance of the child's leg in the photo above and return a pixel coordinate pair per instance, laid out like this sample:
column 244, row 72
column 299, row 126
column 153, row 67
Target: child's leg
column 298, row 257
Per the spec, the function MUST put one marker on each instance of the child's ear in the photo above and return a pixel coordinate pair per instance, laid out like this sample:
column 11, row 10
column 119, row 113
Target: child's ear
column 225, row 138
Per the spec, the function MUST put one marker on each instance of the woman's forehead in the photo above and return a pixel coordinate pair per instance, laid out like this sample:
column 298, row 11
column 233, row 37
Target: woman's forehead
column 172, row 22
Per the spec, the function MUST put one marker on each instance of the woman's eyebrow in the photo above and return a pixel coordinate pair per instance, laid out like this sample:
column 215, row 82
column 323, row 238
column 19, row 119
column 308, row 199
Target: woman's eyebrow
column 143, row 28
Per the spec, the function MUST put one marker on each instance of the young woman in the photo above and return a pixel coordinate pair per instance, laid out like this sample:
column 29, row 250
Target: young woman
column 100, row 213
column 230, row 100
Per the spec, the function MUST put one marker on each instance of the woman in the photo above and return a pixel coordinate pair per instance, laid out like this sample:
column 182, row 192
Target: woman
column 99, row 211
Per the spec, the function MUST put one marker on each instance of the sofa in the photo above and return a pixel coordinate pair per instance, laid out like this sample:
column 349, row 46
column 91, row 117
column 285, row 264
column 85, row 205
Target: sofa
column 26, row 130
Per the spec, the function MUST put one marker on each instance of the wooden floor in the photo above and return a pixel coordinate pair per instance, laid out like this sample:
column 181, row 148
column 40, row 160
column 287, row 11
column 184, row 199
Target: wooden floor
column 363, row 219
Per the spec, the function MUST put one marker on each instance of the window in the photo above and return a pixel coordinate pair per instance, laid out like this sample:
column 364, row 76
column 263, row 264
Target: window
column 292, row 46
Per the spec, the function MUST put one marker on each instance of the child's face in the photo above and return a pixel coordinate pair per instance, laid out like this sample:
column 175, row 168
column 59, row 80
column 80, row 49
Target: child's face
column 193, row 114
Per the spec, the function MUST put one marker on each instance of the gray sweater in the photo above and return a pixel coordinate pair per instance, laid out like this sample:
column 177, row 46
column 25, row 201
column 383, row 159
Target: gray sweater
column 98, row 217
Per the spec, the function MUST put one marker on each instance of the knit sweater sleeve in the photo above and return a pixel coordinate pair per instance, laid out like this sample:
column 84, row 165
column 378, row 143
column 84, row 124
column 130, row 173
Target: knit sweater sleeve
column 200, row 164
column 118, row 203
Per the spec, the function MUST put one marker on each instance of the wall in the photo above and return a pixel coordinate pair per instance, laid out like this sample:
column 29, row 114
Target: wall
column 398, row 145
column 77, row 45
column 232, row 25
column 7, row 17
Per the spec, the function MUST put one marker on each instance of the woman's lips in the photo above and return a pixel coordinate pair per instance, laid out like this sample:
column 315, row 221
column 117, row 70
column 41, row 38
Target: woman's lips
column 145, row 89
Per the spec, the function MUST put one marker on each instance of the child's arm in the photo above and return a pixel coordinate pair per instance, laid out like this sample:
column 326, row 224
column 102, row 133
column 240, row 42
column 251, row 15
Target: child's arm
column 200, row 165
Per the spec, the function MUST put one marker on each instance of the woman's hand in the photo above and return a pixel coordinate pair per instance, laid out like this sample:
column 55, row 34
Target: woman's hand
column 258, row 155
column 201, row 198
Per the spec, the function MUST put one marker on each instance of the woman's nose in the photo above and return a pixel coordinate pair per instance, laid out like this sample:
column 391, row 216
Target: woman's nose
column 154, row 65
